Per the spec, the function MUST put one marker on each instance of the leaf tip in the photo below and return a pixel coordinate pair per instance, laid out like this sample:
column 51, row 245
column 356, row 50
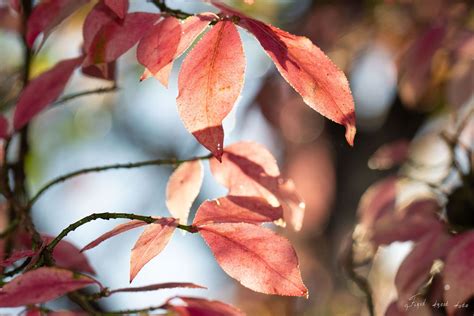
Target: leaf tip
column 350, row 134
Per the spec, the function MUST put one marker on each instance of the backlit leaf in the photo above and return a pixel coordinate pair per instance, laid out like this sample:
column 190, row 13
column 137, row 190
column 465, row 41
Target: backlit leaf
column 210, row 81
column 255, row 256
column 150, row 243
column 119, row 7
column 200, row 306
column 183, row 188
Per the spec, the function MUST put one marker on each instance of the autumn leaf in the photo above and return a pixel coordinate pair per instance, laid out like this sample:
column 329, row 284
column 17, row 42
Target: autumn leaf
column 323, row 86
column 210, row 81
column 119, row 7
column 183, row 188
column 4, row 127
column 200, row 306
column 115, row 231
column 249, row 169
column 459, row 272
column 47, row 15
column 150, row 243
column 43, row 90
column 190, row 29
column 17, row 255
column 115, row 38
column 237, row 209
column 415, row 268
column 41, row 285
column 99, row 16
column 256, row 257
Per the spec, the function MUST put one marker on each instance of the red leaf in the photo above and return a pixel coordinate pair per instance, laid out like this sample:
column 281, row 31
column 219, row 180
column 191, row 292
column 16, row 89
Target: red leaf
column 115, row 38
column 210, row 81
column 159, row 47
column 43, row 90
column 117, row 230
column 248, row 169
column 390, row 155
column 237, row 209
column 99, row 16
column 323, row 86
column 47, row 15
column 415, row 268
column 101, row 71
column 68, row 256
column 203, row 307
column 410, row 223
column 159, row 286
column 190, row 30
column 150, row 243
column 183, row 188
column 119, row 7
column 14, row 257
column 255, row 256
column 459, row 271
column 4, row 130
column 41, row 285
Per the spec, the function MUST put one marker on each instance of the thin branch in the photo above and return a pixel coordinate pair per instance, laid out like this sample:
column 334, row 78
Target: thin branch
column 72, row 96
column 160, row 4
column 156, row 162
column 107, row 216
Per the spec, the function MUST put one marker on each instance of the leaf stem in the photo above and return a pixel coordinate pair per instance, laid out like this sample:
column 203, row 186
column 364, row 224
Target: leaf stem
column 72, row 96
column 155, row 162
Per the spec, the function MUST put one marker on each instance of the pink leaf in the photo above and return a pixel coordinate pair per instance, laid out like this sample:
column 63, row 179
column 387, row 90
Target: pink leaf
column 390, row 155
column 4, row 130
column 183, row 188
column 248, row 169
column 200, row 306
column 415, row 268
column 14, row 257
column 68, row 256
column 99, row 16
column 159, row 286
column 117, row 230
column 150, row 243
column 101, row 71
column 459, row 271
column 210, row 81
column 190, row 30
column 308, row 70
column 43, row 90
column 47, row 15
column 115, row 38
column 255, row 256
column 41, row 285
column 237, row 209
column 159, row 47
column 119, row 7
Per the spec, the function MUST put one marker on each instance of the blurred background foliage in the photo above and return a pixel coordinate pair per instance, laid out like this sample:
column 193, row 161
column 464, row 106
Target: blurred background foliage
column 408, row 61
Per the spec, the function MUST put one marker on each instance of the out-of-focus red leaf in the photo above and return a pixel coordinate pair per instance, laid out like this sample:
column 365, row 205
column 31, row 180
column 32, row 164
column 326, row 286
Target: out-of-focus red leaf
column 101, row 71
column 115, row 38
column 249, row 169
column 4, row 132
column 255, row 256
column 117, row 230
column 8, row 20
column 203, row 307
column 378, row 199
column 150, row 243
column 459, row 271
column 210, row 81
column 69, row 256
column 183, row 188
column 416, row 67
column 390, row 155
column 190, row 30
column 415, row 268
column 237, row 209
column 160, row 286
column 14, row 257
column 43, row 90
column 410, row 223
column 99, row 16
column 119, row 7
column 41, row 285
column 47, row 15
column 323, row 86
